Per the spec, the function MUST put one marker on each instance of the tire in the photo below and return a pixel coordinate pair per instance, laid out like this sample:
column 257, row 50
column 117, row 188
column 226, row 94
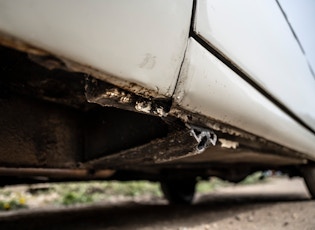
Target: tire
column 308, row 173
column 179, row 191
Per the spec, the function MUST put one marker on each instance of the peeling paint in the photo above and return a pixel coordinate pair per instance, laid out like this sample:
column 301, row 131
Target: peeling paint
column 160, row 112
column 228, row 144
column 124, row 98
column 144, row 107
column 105, row 94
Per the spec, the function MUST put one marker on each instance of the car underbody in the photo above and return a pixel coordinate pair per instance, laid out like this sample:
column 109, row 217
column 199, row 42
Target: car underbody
column 58, row 124
column 173, row 109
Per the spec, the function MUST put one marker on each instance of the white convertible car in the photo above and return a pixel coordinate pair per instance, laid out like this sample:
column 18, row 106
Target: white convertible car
column 167, row 91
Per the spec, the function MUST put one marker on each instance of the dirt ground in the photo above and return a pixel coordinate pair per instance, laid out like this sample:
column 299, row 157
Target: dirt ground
column 278, row 204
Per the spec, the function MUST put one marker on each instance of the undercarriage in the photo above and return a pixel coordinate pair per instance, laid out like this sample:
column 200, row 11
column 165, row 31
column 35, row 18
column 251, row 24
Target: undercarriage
column 59, row 125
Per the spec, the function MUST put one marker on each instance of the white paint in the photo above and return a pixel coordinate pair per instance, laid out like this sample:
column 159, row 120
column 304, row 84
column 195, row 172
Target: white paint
column 301, row 15
column 209, row 87
column 142, row 41
column 256, row 36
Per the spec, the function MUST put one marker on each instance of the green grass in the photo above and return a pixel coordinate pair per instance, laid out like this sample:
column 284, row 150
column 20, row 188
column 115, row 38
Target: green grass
column 209, row 186
column 96, row 191
column 87, row 192
column 215, row 183
column 254, row 178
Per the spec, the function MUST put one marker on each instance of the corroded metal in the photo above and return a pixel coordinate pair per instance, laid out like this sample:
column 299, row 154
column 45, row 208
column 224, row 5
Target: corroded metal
column 106, row 94
column 177, row 145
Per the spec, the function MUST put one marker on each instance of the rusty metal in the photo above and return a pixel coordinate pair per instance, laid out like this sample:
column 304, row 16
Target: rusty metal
column 34, row 133
column 106, row 94
column 47, row 122
column 17, row 44
column 109, row 130
column 49, row 129
column 177, row 145
column 244, row 139
column 50, row 61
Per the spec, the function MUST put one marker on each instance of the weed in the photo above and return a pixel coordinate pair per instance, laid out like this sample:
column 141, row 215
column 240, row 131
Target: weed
column 12, row 204
column 95, row 191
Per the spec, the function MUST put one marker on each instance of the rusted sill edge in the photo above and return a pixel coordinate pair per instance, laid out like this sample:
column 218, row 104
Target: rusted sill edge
column 176, row 145
column 72, row 66
column 105, row 94
column 229, row 132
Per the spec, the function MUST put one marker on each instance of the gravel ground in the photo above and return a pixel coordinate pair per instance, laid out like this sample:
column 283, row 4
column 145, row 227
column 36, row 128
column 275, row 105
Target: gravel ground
column 278, row 204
